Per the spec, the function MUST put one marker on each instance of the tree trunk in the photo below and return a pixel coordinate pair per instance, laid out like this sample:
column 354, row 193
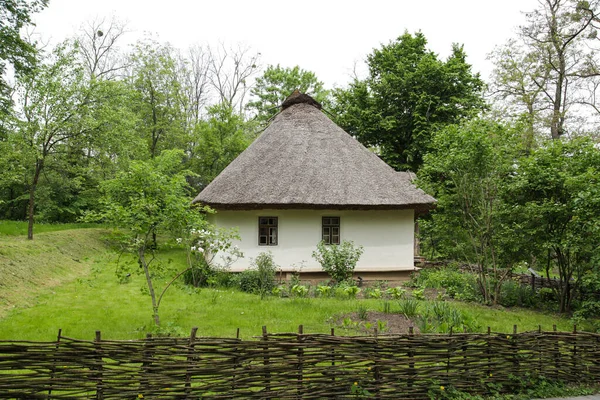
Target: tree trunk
column 39, row 165
column 142, row 259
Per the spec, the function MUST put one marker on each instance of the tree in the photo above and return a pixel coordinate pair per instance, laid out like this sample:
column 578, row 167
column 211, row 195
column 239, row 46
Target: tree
column 98, row 44
column 408, row 94
column 554, row 198
column 466, row 171
column 556, row 72
column 220, row 139
column 14, row 49
column 276, row 84
column 230, row 71
column 159, row 97
column 149, row 198
column 54, row 101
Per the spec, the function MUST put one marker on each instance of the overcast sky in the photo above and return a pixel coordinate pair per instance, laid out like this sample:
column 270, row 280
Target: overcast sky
column 326, row 36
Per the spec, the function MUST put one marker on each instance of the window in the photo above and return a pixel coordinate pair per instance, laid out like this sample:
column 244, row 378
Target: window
column 331, row 230
column 267, row 231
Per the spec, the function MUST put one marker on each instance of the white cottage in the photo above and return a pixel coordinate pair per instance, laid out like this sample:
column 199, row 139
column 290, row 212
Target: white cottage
column 304, row 180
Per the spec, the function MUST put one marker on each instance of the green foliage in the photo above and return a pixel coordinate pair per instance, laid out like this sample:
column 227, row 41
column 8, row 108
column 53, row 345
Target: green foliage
column 514, row 294
column 362, row 312
column 467, row 171
column 396, row 293
column 157, row 96
column 260, row 278
column 276, row 84
column 148, row 199
column 338, row 261
column 419, row 293
column 324, row 290
column 408, row 94
column 457, row 284
column 554, row 200
column 17, row 51
column 409, row 307
column 299, row 290
column 220, row 139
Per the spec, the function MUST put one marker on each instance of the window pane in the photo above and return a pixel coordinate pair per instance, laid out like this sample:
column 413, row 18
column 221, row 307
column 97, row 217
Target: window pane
column 335, row 239
column 335, row 231
column 326, row 221
column 262, row 221
column 273, row 235
column 335, row 221
column 326, row 239
column 262, row 239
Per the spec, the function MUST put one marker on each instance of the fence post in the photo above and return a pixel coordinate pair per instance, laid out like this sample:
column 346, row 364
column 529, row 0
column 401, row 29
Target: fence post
column 540, row 353
column 98, row 350
column 556, row 354
column 488, row 351
column 235, row 363
column 190, row 361
column 300, row 360
column 574, row 355
column 333, row 360
column 411, row 363
column 53, row 369
column 266, row 362
column 146, row 356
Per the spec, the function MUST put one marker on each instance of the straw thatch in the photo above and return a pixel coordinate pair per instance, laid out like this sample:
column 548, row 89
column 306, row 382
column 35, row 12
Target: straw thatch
column 304, row 160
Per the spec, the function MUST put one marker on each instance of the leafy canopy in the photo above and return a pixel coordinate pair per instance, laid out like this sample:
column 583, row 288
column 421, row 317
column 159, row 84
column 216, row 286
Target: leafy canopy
column 408, row 94
column 277, row 83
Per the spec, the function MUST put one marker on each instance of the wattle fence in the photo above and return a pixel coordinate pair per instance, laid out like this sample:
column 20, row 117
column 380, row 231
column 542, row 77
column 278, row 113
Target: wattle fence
column 298, row 366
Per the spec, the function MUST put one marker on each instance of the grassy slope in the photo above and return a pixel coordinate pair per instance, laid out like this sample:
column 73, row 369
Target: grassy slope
column 51, row 259
column 67, row 280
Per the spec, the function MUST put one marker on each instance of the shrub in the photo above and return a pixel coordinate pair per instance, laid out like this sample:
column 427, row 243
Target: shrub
column 514, row 294
column 338, row 261
column 199, row 275
column 457, row 284
column 260, row 278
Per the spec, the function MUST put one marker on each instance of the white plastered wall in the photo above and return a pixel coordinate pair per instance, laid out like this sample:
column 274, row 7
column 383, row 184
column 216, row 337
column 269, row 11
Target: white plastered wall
column 386, row 235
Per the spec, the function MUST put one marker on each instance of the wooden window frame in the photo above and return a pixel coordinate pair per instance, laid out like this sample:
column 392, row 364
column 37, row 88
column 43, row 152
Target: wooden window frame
column 268, row 227
column 329, row 226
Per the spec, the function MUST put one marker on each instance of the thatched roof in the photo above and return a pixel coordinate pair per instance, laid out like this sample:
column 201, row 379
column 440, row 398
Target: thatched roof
column 304, row 160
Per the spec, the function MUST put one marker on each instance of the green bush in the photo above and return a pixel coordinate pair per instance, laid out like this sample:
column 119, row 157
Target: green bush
column 457, row 284
column 199, row 275
column 514, row 294
column 260, row 278
column 338, row 261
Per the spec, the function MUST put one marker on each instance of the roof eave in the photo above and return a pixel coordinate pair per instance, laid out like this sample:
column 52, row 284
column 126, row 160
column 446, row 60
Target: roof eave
column 420, row 207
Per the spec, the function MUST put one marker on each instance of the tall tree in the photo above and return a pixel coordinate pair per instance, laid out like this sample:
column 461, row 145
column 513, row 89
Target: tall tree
column 408, row 94
column 467, row 170
column 158, row 96
column 98, row 41
column 14, row 49
column 555, row 73
column 220, row 139
column 276, row 84
column 52, row 114
column 554, row 200
column 148, row 198
column 230, row 72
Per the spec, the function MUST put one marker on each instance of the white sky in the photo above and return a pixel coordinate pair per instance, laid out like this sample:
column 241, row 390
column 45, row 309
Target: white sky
column 326, row 36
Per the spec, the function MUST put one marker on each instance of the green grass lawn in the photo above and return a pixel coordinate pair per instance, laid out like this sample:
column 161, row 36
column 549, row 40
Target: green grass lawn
column 19, row 228
column 68, row 280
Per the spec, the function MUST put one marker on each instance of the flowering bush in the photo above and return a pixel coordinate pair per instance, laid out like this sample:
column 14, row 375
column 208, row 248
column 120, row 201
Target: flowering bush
column 203, row 247
column 338, row 261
